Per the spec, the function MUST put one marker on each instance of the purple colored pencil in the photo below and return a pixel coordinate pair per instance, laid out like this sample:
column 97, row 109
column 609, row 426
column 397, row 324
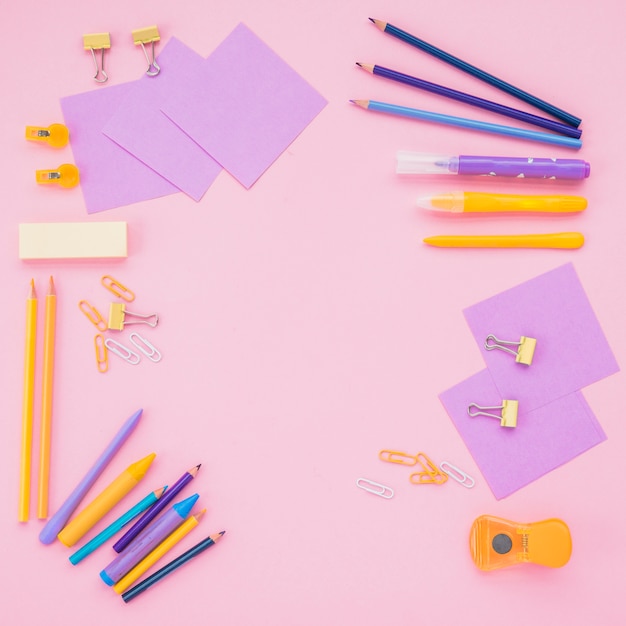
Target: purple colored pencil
column 147, row 541
column 56, row 523
column 494, row 107
column 153, row 511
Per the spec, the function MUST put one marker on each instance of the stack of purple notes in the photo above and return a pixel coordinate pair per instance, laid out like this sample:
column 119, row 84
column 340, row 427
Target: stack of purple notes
column 237, row 110
column 555, row 423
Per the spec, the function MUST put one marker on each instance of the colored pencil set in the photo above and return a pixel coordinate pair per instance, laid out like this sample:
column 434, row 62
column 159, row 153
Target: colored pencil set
column 564, row 131
column 161, row 521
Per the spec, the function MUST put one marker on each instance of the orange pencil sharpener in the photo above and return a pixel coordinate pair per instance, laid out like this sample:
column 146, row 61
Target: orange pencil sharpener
column 497, row 543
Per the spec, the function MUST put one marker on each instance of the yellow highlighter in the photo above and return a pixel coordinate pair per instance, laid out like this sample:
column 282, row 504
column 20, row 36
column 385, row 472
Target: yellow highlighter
column 550, row 240
column 105, row 501
column 161, row 550
column 477, row 202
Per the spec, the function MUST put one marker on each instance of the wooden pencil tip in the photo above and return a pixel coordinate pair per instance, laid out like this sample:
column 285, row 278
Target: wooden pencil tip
column 32, row 292
column 194, row 470
column 51, row 288
column 381, row 25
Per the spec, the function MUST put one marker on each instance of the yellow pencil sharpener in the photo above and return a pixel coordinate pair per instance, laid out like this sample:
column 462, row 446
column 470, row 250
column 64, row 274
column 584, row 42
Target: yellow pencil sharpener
column 496, row 543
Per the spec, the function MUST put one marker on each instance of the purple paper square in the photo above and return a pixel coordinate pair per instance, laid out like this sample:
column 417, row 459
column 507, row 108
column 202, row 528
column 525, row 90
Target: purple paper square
column 142, row 129
column 544, row 439
column 109, row 176
column 245, row 107
column 571, row 353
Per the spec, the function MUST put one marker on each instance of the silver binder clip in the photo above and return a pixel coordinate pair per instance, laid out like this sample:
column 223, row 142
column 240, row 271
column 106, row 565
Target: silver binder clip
column 507, row 416
column 524, row 352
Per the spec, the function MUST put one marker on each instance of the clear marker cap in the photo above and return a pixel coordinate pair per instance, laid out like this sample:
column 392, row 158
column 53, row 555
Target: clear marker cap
column 424, row 163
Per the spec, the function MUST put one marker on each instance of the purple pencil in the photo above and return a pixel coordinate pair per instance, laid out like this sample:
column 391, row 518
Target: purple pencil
column 147, row 540
column 488, row 105
column 57, row 521
column 153, row 511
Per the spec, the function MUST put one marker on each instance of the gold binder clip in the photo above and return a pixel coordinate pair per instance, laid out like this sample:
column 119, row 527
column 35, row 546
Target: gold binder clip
column 525, row 348
column 117, row 289
column 148, row 35
column 508, row 412
column 429, row 474
column 118, row 315
column 102, row 42
column 65, row 175
column 55, row 135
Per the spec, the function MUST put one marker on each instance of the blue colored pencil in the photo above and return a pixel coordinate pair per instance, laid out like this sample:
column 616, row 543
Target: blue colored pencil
column 118, row 524
column 568, row 118
column 488, row 105
column 463, row 122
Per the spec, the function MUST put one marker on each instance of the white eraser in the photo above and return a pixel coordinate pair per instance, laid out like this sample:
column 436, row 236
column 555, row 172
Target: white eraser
column 73, row 240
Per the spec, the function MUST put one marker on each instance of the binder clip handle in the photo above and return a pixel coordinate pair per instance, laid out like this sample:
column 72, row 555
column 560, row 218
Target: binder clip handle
column 524, row 352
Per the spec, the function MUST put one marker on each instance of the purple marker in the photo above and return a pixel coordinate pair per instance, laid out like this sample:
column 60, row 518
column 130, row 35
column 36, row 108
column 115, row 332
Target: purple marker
column 153, row 511
column 56, row 523
column 517, row 167
column 147, row 541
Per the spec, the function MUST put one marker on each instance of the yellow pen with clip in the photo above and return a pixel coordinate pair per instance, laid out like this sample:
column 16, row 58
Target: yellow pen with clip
column 105, row 501
column 478, row 202
column 550, row 240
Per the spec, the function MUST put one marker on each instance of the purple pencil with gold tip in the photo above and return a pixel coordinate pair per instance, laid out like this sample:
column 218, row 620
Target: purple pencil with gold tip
column 152, row 512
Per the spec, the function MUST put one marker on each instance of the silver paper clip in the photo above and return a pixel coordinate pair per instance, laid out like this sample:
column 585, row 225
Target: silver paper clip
column 376, row 488
column 145, row 347
column 122, row 351
column 508, row 412
column 524, row 352
column 457, row 474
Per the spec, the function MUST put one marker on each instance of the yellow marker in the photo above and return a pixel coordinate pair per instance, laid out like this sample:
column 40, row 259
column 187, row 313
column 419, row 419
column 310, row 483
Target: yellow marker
column 551, row 240
column 476, row 202
column 27, row 404
column 46, row 402
column 55, row 135
column 161, row 550
column 65, row 175
column 105, row 501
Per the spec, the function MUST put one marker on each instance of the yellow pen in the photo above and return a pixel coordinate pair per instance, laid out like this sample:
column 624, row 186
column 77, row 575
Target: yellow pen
column 551, row 240
column 477, row 202
column 161, row 550
column 105, row 501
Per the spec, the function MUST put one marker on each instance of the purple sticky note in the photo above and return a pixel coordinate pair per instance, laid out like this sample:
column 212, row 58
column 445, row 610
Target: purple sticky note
column 571, row 353
column 245, row 107
column 544, row 439
column 109, row 176
column 140, row 127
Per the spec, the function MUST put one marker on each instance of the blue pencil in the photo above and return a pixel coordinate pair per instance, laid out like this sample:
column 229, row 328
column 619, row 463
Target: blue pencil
column 511, row 131
column 118, row 524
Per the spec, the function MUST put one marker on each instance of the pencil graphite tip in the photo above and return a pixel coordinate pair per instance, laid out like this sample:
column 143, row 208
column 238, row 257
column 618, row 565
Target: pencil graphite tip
column 366, row 67
column 360, row 103
column 380, row 24
column 194, row 470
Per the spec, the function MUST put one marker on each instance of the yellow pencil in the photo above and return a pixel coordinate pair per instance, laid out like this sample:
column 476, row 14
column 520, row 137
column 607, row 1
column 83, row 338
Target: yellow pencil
column 105, row 501
column 161, row 550
column 46, row 403
column 552, row 240
column 27, row 404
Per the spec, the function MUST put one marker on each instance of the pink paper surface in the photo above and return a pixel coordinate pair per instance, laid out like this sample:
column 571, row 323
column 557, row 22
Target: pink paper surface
column 544, row 438
column 142, row 129
column 110, row 177
column 245, row 106
column 572, row 351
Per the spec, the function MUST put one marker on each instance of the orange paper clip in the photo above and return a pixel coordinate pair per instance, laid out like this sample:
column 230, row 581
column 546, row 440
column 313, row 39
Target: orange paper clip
column 402, row 458
column 65, row 175
column 93, row 315
column 117, row 289
column 497, row 543
column 430, row 473
column 102, row 354
column 55, row 135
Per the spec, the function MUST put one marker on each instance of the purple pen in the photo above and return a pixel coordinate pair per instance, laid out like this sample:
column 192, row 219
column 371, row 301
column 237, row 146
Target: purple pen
column 56, row 523
column 517, row 167
column 147, row 540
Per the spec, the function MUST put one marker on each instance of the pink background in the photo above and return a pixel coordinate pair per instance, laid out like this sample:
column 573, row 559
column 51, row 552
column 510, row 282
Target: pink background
column 305, row 326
